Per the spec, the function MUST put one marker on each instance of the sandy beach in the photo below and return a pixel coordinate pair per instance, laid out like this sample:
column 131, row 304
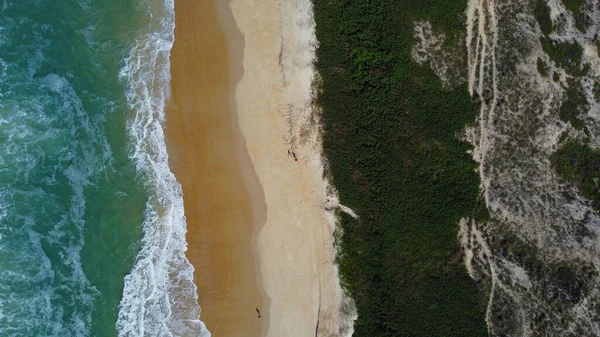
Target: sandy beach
column 275, row 113
column 260, row 226
column 202, row 149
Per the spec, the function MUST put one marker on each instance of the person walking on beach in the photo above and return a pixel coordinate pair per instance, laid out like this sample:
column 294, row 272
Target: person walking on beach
column 258, row 312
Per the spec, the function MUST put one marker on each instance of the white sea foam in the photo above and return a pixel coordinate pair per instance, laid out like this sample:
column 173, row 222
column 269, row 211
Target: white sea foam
column 42, row 136
column 159, row 297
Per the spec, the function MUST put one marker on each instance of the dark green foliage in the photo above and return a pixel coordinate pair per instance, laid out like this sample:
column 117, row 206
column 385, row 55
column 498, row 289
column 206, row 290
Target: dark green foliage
column 542, row 67
column 576, row 7
column 542, row 15
column 390, row 137
column 563, row 138
column 560, row 281
column 481, row 213
column 580, row 165
column 566, row 55
column 556, row 77
column 575, row 104
column 596, row 92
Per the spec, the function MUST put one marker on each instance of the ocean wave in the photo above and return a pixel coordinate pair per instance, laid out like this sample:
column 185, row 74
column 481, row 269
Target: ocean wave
column 43, row 289
column 159, row 296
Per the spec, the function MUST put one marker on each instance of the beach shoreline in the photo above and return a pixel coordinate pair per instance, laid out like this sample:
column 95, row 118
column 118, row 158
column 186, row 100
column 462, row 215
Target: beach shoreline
column 206, row 157
column 280, row 124
column 263, row 162
column 236, row 43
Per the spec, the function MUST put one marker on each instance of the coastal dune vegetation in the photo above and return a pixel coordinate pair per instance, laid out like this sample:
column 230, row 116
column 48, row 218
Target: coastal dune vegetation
column 391, row 139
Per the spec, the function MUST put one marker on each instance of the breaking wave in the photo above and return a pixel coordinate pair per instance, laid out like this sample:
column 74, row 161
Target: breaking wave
column 159, row 297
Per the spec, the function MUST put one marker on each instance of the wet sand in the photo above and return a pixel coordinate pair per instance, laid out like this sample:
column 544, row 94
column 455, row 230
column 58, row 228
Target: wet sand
column 260, row 224
column 214, row 169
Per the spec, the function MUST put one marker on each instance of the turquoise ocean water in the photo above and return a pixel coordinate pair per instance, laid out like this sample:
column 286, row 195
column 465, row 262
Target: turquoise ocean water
column 92, row 232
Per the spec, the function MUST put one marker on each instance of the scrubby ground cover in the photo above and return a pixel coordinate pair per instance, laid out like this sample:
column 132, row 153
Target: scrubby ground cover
column 576, row 7
column 539, row 251
column 580, row 165
column 391, row 139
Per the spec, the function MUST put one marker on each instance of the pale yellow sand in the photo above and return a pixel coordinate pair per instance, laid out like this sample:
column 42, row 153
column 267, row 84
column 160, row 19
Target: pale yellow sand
column 258, row 231
column 295, row 244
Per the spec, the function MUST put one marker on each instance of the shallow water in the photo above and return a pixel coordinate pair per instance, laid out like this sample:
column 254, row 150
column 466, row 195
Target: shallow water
column 86, row 196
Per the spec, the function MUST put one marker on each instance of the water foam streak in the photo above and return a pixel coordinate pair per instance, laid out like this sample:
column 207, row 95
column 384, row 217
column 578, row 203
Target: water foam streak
column 159, row 297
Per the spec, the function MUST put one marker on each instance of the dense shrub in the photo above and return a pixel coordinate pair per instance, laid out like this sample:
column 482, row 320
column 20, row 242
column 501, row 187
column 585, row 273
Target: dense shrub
column 391, row 140
column 542, row 15
column 564, row 54
column 576, row 7
column 574, row 106
column 580, row 165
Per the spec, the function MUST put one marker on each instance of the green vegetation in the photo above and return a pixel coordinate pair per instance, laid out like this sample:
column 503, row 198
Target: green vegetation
column 580, row 165
column 556, row 76
column 575, row 104
column 542, row 15
column 390, row 137
column 566, row 55
column 481, row 214
column 564, row 282
column 576, row 7
column 542, row 67
column 596, row 91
